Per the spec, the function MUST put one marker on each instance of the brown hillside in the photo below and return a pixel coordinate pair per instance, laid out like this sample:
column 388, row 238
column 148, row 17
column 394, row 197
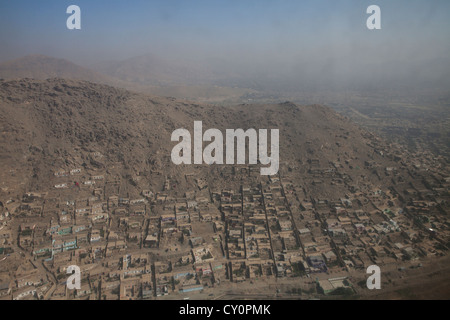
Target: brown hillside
column 55, row 123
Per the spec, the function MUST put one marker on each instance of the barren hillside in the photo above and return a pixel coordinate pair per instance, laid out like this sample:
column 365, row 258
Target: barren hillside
column 50, row 124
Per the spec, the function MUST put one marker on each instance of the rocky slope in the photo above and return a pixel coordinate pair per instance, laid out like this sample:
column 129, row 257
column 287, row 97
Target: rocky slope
column 51, row 124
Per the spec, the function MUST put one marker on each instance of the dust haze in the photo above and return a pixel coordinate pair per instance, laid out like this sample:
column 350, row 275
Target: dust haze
column 281, row 47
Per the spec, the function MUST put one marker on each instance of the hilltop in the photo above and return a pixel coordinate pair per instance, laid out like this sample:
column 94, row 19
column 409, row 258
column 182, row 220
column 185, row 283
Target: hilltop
column 52, row 123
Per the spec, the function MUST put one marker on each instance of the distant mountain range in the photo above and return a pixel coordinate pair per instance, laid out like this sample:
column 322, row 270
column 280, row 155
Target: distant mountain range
column 42, row 67
column 220, row 81
column 147, row 74
column 154, row 70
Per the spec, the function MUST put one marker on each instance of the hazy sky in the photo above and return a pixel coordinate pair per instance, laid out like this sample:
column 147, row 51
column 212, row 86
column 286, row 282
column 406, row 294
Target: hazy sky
column 287, row 36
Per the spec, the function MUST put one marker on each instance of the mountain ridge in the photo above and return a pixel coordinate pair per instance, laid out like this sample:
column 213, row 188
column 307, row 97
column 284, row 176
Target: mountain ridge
column 51, row 123
column 161, row 83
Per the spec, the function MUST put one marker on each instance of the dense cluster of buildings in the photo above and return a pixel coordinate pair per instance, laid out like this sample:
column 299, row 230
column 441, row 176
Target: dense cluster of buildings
column 248, row 227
